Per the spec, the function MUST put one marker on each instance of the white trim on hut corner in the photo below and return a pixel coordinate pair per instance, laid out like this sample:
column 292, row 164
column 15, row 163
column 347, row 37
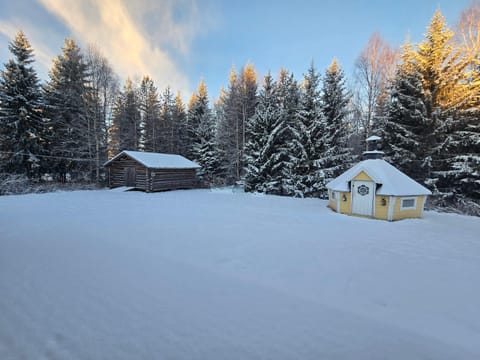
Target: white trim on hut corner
column 391, row 207
column 423, row 205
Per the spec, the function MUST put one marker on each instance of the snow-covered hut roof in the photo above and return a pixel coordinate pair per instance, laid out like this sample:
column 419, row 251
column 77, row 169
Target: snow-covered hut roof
column 157, row 160
column 391, row 180
column 374, row 138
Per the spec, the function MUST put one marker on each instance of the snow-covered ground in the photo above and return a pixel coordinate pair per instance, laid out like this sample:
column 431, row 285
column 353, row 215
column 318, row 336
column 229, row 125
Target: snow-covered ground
column 219, row 275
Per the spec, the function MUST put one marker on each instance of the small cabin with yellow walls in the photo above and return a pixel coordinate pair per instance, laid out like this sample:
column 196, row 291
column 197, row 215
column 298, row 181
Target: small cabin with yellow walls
column 374, row 188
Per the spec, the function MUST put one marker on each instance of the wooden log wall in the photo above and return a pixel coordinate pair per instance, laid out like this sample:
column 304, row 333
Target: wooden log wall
column 170, row 179
column 118, row 169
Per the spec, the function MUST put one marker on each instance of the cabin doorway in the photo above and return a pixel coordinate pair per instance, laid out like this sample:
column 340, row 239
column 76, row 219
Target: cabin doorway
column 363, row 196
column 130, row 176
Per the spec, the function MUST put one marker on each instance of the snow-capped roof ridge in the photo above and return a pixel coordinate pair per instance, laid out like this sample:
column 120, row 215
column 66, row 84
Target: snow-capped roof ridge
column 374, row 138
column 157, row 160
column 391, row 180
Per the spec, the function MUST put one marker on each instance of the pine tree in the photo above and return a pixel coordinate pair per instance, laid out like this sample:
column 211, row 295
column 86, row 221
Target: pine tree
column 21, row 124
column 309, row 178
column 237, row 104
column 66, row 96
column 248, row 102
column 336, row 157
column 227, row 110
column 265, row 144
column 229, row 107
column 222, row 136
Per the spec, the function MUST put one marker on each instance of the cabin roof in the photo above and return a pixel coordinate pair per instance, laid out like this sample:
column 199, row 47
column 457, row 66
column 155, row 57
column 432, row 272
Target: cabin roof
column 374, row 138
column 157, row 160
column 391, row 180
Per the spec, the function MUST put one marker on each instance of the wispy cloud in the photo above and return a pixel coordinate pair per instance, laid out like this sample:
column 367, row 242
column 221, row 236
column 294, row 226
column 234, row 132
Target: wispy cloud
column 43, row 53
column 138, row 37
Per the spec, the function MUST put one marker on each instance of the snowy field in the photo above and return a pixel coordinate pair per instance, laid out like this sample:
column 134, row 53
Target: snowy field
column 219, row 275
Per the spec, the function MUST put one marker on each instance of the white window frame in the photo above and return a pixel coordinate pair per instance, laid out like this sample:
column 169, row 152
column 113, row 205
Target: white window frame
column 333, row 195
column 408, row 207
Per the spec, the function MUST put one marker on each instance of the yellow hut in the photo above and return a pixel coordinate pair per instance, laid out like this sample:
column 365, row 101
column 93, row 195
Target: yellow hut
column 376, row 189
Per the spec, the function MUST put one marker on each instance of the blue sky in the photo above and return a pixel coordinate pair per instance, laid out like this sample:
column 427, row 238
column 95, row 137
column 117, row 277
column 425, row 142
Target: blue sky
column 178, row 42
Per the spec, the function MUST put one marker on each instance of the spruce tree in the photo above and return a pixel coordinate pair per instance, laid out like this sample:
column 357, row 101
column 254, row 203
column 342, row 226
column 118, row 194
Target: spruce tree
column 126, row 127
column 150, row 115
column 201, row 128
column 166, row 134
column 407, row 125
column 66, row 96
column 265, row 143
column 179, row 118
column 449, row 94
column 458, row 171
column 222, row 134
column 288, row 99
column 229, row 106
column 309, row 178
column 436, row 59
column 336, row 156
column 21, row 124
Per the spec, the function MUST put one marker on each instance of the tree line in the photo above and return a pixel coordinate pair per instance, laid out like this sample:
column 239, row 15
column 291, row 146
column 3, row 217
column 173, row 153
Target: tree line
column 279, row 135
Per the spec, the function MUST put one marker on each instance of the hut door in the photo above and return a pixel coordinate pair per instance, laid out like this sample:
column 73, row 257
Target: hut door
column 363, row 195
column 130, row 175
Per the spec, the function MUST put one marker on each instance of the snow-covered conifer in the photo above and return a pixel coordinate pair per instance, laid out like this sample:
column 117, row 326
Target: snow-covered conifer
column 149, row 106
column 66, row 101
column 309, row 178
column 201, row 129
column 336, row 156
column 21, row 124
column 179, row 119
column 235, row 106
column 288, row 95
column 265, row 143
column 126, row 128
column 407, row 126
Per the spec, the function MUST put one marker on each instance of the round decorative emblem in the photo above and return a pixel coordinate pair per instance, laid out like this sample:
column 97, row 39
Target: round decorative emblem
column 363, row 190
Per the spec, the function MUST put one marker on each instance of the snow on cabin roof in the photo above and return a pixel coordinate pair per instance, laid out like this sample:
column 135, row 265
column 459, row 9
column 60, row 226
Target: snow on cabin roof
column 374, row 137
column 373, row 152
column 392, row 181
column 158, row 160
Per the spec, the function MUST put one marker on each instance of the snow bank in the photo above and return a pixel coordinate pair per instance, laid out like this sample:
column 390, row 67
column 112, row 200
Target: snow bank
column 199, row 274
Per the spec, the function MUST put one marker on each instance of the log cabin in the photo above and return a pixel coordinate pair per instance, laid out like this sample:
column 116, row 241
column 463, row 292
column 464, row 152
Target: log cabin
column 150, row 172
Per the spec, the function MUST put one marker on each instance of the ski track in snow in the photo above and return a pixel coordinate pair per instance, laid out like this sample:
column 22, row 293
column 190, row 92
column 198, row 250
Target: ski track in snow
column 219, row 275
